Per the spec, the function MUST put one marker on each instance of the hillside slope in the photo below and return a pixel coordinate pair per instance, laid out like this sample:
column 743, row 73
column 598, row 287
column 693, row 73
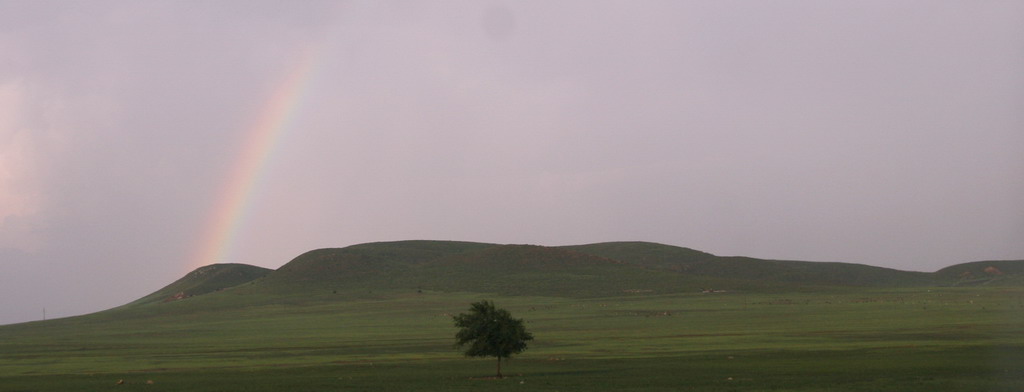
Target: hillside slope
column 380, row 265
column 539, row 270
column 204, row 280
column 999, row 272
column 809, row 273
column 696, row 263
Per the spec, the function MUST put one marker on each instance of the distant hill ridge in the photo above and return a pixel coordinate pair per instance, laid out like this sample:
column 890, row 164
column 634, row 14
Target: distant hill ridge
column 601, row 269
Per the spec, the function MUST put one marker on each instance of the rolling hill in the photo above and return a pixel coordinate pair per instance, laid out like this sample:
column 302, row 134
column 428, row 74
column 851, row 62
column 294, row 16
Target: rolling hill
column 593, row 270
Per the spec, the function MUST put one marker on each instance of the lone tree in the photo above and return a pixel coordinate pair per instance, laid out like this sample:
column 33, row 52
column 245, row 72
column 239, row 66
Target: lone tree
column 490, row 332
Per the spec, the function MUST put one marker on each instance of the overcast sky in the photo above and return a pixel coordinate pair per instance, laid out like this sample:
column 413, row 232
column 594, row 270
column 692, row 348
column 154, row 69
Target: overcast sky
column 888, row 133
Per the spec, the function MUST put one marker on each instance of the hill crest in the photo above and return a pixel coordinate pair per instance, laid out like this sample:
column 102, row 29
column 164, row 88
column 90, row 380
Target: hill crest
column 599, row 269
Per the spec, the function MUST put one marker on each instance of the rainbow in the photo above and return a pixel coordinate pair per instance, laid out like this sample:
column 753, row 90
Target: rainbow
column 235, row 197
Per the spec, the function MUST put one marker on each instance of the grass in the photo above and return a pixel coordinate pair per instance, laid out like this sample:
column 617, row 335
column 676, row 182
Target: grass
column 915, row 339
column 866, row 370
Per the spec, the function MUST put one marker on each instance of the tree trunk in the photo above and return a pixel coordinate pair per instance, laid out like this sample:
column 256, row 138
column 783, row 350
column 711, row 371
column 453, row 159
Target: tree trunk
column 499, row 367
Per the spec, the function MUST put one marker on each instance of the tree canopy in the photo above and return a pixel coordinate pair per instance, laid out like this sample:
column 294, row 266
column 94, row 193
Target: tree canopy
column 488, row 331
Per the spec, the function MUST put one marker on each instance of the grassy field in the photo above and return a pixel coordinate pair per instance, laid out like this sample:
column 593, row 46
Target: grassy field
column 919, row 339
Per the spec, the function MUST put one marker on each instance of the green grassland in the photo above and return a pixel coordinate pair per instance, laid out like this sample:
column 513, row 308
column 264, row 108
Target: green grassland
column 614, row 317
column 966, row 339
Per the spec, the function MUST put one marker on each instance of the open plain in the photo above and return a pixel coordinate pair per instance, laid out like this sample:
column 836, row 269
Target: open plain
column 256, row 337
